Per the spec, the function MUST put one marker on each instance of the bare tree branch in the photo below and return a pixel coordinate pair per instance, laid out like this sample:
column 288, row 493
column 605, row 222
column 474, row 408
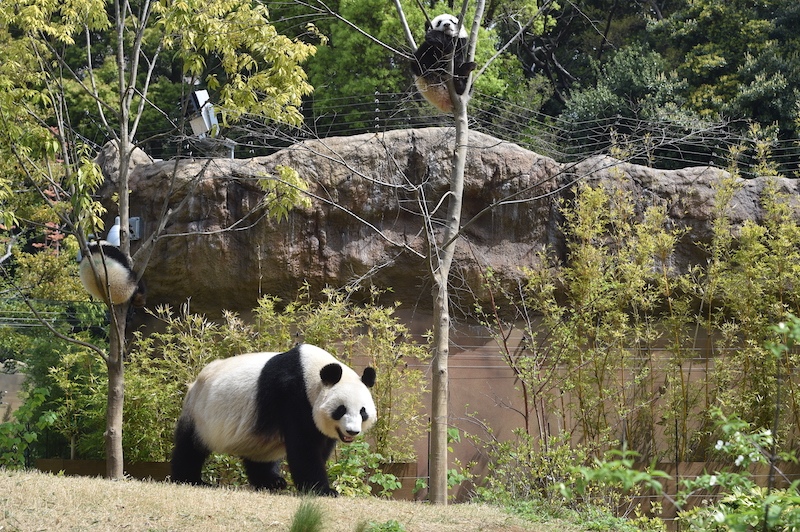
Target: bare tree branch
column 9, row 248
column 41, row 319
column 328, row 11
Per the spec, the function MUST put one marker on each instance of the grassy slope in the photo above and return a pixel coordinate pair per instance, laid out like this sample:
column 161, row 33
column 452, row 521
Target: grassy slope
column 37, row 501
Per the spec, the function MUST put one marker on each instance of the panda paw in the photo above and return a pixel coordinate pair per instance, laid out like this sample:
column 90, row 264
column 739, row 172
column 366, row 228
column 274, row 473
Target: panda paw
column 466, row 68
column 275, row 484
column 318, row 490
column 329, row 492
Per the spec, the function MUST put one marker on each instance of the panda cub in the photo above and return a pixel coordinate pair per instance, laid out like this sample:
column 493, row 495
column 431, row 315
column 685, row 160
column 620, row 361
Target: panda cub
column 431, row 66
column 114, row 275
column 264, row 406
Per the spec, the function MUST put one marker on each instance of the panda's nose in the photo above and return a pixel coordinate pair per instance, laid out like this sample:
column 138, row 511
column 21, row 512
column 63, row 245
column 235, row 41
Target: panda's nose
column 353, row 432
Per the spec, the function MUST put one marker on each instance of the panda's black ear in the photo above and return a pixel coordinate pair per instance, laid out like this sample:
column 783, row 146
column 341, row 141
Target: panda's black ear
column 428, row 25
column 331, row 374
column 368, row 377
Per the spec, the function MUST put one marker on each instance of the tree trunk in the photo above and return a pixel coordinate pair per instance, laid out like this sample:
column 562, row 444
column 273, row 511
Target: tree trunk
column 115, row 364
column 119, row 313
column 443, row 262
column 440, row 390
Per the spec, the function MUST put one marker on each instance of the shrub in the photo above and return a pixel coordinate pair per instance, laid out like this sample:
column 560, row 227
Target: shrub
column 355, row 469
column 619, row 334
column 16, row 436
column 520, row 470
column 389, row 526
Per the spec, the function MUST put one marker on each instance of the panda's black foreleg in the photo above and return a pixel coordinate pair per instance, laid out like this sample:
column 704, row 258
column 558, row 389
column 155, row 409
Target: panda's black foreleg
column 461, row 75
column 307, row 464
column 188, row 455
column 265, row 475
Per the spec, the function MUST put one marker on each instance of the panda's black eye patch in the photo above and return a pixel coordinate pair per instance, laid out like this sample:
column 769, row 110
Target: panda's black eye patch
column 364, row 414
column 339, row 413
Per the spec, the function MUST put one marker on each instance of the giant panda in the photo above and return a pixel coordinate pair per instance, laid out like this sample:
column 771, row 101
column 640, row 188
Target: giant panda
column 431, row 65
column 114, row 273
column 264, row 406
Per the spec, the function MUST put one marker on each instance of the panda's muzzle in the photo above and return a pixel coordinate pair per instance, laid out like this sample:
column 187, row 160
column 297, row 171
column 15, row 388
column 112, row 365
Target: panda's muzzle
column 349, row 437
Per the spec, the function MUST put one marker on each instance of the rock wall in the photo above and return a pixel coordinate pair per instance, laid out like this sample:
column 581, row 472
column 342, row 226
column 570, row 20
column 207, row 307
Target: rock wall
column 365, row 224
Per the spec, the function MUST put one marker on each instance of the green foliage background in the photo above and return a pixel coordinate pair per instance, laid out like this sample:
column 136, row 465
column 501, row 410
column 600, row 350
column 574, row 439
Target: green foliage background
column 161, row 365
column 627, row 352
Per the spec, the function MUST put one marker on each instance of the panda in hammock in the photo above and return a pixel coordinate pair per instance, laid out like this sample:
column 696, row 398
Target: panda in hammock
column 266, row 406
column 431, row 66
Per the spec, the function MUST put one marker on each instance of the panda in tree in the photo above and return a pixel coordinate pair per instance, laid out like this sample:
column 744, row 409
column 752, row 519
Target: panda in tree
column 266, row 406
column 106, row 274
column 431, row 66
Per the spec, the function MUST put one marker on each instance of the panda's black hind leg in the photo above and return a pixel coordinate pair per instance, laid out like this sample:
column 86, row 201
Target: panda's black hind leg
column 188, row 455
column 265, row 475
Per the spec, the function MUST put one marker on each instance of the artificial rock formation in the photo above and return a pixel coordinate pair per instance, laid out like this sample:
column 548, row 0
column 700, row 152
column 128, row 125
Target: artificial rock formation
column 365, row 222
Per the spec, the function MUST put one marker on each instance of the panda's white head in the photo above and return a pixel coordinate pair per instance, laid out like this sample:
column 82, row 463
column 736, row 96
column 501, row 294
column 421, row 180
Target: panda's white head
column 344, row 407
column 447, row 24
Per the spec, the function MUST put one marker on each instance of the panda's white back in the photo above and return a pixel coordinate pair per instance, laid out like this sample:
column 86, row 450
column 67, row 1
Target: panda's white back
column 224, row 393
column 119, row 278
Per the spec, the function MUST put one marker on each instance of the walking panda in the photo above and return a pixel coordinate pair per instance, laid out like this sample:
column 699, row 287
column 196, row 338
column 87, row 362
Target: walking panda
column 114, row 273
column 264, row 406
column 431, row 66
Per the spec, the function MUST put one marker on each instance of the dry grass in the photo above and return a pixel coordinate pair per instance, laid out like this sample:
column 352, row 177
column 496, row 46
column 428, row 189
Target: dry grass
column 33, row 501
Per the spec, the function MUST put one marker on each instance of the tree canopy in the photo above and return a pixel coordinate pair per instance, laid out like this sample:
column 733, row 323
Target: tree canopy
column 733, row 59
column 86, row 62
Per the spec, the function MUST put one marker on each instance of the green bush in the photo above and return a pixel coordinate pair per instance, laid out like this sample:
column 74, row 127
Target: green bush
column 63, row 368
column 613, row 334
column 355, row 469
column 740, row 503
column 389, row 526
column 743, row 505
column 224, row 470
column 619, row 329
column 17, row 435
column 81, row 379
column 520, row 470
column 159, row 367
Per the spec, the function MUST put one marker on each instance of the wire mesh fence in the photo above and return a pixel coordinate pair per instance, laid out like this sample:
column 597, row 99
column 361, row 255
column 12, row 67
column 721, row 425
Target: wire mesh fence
column 664, row 143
